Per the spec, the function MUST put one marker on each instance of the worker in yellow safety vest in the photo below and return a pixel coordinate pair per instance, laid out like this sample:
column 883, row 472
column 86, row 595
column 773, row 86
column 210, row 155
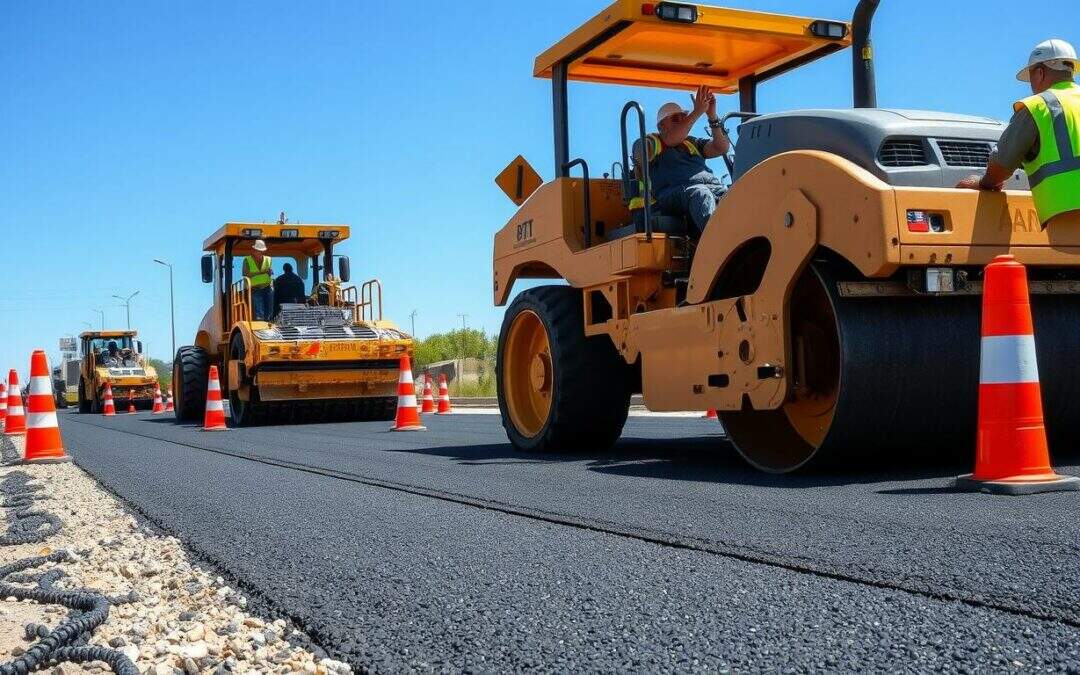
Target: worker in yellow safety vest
column 682, row 183
column 259, row 273
column 1043, row 136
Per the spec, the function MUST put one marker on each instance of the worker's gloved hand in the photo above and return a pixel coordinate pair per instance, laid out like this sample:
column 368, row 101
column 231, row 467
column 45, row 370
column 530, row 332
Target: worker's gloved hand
column 972, row 182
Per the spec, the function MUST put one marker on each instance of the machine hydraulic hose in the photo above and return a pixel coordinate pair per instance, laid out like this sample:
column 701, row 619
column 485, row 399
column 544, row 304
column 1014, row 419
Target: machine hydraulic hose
column 23, row 580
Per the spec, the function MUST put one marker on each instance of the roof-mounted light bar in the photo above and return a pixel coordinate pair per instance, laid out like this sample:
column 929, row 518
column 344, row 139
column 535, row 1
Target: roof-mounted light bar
column 674, row 11
column 329, row 234
column 250, row 232
column 831, row 30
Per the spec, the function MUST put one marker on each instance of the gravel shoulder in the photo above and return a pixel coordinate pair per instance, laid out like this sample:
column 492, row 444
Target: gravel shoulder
column 182, row 617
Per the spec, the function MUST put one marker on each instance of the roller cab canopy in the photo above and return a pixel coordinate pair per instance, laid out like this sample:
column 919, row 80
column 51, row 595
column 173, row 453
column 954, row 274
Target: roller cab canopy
column 683, row 45
column 292, row 238
column 107, row 334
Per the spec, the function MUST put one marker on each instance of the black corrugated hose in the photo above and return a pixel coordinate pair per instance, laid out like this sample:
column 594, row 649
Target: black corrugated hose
column 89, row 609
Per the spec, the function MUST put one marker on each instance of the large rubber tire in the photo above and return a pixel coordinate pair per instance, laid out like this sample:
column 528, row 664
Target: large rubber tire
column 191, row 371
column 586, row 381
column 243, row 413
column 84, row 403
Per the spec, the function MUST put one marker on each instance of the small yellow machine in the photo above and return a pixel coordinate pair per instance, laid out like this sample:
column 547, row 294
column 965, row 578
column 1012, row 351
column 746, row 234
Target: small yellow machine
column 329, row 355
column 114, row 357
column 831, row 307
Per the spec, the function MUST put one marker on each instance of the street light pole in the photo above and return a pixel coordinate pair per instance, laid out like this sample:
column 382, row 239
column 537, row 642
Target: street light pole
column 461, row 375
column 102, row 313
column 127, row 305
column 412, row 318
column 172, row 306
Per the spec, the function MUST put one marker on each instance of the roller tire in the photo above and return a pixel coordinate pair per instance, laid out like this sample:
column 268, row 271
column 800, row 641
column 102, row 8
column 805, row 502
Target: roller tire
column 84, row 404
column 590, row 393
column 191, row 372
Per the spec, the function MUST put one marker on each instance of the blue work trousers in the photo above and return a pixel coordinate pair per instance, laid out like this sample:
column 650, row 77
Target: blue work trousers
column 697, row 201
column 262, row 300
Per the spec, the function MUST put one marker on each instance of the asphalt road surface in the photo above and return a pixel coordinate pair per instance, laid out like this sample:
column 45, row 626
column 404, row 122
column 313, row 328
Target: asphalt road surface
column 448, row 550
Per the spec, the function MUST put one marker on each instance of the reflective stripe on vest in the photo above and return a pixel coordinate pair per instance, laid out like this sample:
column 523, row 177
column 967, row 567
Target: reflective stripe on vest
column 260, row 276
column 656, row 146
column 1055, row 173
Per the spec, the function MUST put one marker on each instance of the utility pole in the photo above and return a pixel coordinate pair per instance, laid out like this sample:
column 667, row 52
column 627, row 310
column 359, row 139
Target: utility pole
column 412, row 318
column 461, row 375
column 172, row 305
column 102, row 313
column 127, row 304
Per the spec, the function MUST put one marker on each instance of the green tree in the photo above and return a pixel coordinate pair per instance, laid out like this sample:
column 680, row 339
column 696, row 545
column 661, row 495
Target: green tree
column 470, row 342
column 164, row 372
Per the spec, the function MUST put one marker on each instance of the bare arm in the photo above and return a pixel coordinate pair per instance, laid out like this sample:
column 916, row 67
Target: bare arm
column 677, row 133
column 720, row 143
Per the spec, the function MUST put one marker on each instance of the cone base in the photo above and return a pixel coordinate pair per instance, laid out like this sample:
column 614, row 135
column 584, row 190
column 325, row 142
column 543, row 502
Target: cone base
column 214, row 429
column 47, row 460
column 1021, row 485
column 413, row 427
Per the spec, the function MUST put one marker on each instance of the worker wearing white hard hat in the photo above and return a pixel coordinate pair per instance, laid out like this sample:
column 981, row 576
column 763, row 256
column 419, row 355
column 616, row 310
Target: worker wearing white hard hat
column 1043, row 136
column 682, row 182
column 258, row 270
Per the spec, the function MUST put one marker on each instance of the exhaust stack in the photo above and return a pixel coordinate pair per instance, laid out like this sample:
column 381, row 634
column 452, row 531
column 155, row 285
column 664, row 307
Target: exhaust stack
column 864, row 86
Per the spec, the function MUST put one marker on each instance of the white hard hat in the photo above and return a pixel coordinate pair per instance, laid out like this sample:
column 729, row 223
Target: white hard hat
column 1055, row 54
column 667, row 110
column 259, row 245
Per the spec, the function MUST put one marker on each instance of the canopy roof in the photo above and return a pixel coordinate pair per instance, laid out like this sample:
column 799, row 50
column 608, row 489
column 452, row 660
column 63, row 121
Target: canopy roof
column 625, row 45
column 283, row 238
column 92, row 334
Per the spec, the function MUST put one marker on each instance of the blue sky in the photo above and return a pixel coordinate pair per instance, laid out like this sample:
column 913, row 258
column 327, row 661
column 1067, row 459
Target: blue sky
column 131, row 130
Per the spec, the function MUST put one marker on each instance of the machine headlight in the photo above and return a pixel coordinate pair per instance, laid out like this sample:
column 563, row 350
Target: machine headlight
column 671, row 11
column 251, row 232
column 268, row 334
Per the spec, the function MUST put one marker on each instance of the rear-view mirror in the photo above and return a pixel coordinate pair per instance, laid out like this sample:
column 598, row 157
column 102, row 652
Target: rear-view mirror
column 207, row 269
column 344, row 273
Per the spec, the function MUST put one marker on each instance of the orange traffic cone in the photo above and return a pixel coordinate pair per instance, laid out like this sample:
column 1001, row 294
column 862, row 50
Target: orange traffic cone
column 131, row 401
column 429, row 400
column 15, row 424
column 1011, row 454
column 408, row 414
column 43, row 442
column 169, row 402
column 444, row 396
column 710, row 414
column 214, row 420
column 3, row 404
column 159, row 405
column 110, row 406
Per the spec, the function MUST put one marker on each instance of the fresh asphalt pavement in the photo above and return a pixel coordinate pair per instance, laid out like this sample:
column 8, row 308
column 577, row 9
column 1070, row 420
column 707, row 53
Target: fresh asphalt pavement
column 448, row 550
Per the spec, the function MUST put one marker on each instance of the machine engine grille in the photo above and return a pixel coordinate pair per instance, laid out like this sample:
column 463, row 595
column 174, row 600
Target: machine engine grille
column 965, row 153
column 312, row 322
column 307, row 315
column 900, row 153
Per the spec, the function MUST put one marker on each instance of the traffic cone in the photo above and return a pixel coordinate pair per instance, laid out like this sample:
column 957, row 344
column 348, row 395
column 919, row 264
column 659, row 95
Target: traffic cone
column 131, row 401
column 15, row 423
column 408, row 414
column 429, row 400
column 710, row 414
column 169, row 402
column 110, row 406
column 43, row 444
column 444, row 396
column 1011, row 453
column 214, row 420
column 3, row 404
column 159, row 405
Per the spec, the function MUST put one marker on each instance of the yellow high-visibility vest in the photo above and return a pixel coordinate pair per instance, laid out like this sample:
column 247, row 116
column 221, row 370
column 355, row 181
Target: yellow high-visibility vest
column 1055, row 173
column 260, row 274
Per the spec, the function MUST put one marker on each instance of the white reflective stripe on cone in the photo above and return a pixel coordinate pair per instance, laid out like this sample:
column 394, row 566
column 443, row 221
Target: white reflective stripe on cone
column 214, row 386
column 1008, row 359
column 406, row 401
column 44, row 420
column 215, row 406
column 15, row 411
column 39, row 384
column 406, row 377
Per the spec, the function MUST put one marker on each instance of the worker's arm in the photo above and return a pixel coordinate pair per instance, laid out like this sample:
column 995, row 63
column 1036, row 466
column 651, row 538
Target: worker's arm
column 1018, row 142
column 677, row 133
column 244, row 267
column 720, row 143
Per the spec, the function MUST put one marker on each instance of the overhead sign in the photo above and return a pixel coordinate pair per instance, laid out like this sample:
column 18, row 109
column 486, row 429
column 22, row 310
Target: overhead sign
column 67, row 344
